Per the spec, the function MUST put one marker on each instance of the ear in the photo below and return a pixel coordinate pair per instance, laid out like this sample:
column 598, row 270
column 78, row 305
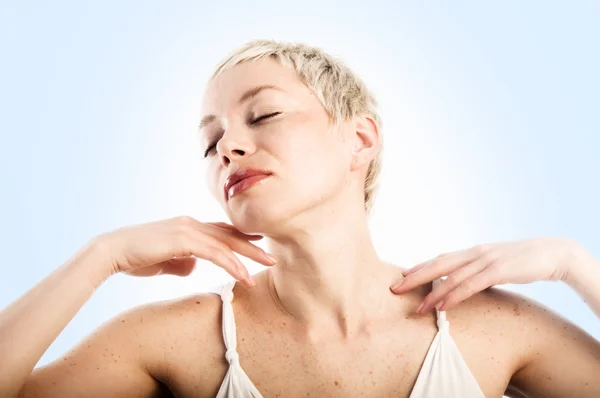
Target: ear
column 366, row 143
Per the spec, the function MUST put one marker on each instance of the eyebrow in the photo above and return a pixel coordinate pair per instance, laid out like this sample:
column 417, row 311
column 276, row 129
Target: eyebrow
column 253, row 92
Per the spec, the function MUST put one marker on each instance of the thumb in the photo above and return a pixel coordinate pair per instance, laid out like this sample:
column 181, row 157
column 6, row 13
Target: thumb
column 182, row 266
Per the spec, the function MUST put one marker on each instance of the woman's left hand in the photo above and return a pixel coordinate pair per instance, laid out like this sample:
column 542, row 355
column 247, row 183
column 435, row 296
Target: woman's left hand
column 473, row 270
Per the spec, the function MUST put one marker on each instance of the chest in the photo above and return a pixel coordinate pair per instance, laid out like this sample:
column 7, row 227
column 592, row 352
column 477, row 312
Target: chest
column 281, row 363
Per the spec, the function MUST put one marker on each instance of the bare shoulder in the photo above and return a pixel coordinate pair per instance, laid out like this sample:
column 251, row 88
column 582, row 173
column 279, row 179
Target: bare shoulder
column 133, row 349
column 527, row 339
column 527, row 323
column 500, row 319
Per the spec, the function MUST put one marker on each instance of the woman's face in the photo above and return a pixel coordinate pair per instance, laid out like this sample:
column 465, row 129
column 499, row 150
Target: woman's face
column 281, row 128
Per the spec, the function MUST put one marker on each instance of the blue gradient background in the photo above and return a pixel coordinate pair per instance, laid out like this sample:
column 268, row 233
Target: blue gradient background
column 491, row 128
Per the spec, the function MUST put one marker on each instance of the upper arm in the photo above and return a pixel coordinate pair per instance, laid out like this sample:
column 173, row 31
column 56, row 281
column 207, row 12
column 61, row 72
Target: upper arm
column 559, row 360
column 114, row 360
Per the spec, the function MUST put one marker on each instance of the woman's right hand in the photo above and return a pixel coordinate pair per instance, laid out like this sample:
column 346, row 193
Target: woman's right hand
column 171, row 246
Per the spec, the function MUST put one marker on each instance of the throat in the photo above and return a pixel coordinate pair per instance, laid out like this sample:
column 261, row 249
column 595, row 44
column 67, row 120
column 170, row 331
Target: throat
column 324, row 322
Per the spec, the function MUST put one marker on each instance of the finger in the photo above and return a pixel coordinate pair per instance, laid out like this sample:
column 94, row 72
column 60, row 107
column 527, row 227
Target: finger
column 230, row 227
column 212, row 249
column 468, row 288
column 247, row 279
column 182, row 266
column 416, row 268
column 197, row 240
column 426, row 263
column 440, row 292
column 251, row 251
column 245, row 248
column 437, row 268
column 239, row 269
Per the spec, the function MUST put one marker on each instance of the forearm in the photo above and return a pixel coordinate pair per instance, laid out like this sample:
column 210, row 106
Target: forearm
column 32, row 322
column 584, row 278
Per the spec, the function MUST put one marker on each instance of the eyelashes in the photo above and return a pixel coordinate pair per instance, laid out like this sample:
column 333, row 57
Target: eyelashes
column 258, row 119
column 252, row 122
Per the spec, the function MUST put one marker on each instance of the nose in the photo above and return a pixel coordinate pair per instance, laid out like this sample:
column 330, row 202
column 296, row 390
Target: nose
column 235, row 144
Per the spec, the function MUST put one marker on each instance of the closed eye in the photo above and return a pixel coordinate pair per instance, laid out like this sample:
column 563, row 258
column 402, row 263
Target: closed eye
column 258, row 119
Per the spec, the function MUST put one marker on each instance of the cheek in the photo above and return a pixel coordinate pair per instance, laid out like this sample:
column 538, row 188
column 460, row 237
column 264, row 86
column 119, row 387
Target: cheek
column 314, row 162
column 213, row 182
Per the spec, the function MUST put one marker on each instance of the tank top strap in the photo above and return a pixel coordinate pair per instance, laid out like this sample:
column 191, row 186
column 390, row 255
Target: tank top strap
column 229, row 333
column 442, row 322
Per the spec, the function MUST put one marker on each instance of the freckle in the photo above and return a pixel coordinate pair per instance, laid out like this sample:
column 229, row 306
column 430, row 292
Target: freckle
column 197, row 302
column 336, row 383
column 549, row 378
column 98, row 368
column 243, row 339
column 373, row 383
column 122, row 321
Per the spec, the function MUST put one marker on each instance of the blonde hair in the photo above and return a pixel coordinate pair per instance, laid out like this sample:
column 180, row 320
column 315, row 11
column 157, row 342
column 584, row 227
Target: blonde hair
column 341, row 92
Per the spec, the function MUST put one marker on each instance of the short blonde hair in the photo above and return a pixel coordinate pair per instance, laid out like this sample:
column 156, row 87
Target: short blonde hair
column 341, row 92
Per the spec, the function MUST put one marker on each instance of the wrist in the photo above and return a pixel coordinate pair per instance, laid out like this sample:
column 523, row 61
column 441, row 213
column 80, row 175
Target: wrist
column 93, row 263
column 581, row 265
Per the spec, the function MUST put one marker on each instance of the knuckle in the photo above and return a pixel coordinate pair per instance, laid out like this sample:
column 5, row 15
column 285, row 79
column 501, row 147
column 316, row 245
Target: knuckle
column 185, row 230
column 219, row 252
column 223, row 258
column 483, row 248
column 184, row 251
column 493, row 263
column 185, row 220
column 480, row 249
column 451, row 280
column 467, row 287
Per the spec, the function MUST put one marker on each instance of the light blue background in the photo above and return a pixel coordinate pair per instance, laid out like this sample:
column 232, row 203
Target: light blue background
column 491, row 128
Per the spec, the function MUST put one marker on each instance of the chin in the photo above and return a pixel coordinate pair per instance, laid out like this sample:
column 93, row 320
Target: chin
column 256, row 215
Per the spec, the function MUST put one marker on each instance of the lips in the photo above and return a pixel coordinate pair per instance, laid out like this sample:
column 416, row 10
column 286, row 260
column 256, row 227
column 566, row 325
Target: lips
column 243, row 179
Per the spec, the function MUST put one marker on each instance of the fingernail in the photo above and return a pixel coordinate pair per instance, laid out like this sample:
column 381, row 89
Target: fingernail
column 251, row 281
column 398, row 284
column 420, row 307
column 271, row 258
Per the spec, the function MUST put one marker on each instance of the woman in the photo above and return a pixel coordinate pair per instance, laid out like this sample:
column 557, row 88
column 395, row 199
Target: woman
column 292, row 145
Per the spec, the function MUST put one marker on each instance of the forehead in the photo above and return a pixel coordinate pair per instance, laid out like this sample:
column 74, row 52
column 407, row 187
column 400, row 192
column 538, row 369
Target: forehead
column 224, row 91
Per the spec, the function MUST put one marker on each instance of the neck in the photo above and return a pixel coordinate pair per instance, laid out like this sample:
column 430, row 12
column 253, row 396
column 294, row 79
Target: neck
column 329, row 276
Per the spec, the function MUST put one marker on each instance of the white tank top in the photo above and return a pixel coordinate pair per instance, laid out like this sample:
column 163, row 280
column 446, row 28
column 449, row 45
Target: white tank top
column 443, row 374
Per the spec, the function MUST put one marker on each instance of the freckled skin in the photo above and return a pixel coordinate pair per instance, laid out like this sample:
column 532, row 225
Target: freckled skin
column 282, row 362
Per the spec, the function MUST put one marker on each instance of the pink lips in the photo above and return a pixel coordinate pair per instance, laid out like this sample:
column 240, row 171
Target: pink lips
column 243, row 179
